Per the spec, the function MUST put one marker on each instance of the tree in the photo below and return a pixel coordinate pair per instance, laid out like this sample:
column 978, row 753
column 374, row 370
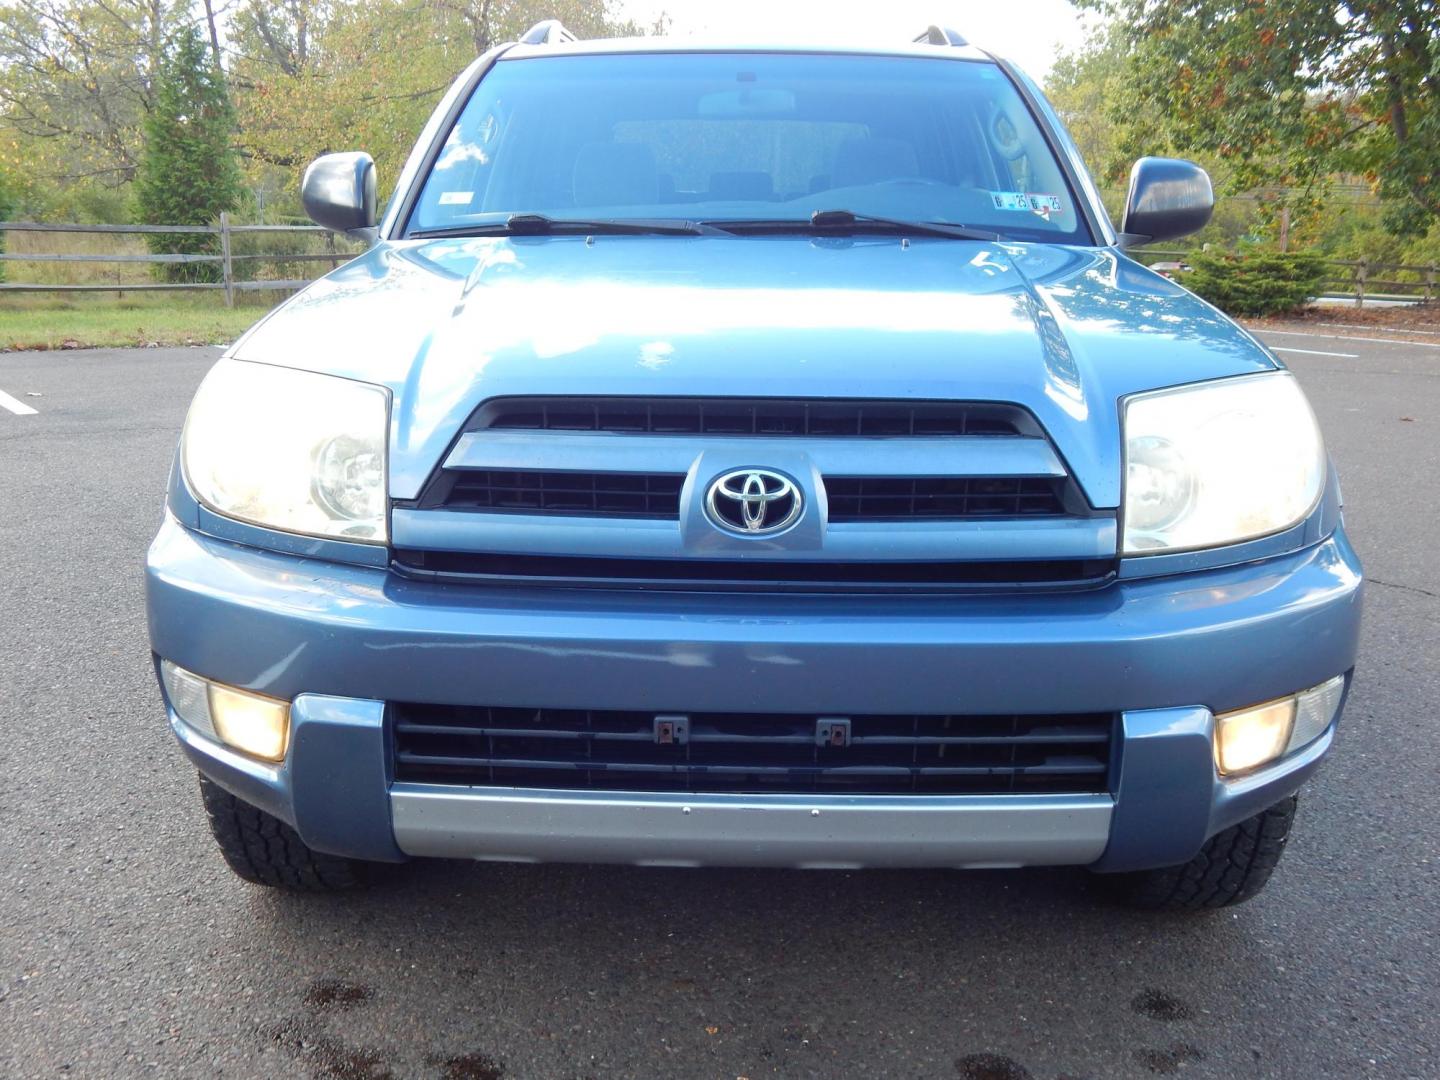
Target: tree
column 311, row 79
column 7, row 207
column 76, row 79
column 189, row 173
column 1289, row 92
column 1113, row 126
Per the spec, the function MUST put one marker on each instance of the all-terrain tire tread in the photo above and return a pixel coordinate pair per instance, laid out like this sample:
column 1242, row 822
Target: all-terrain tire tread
column 1231, row 868
column 263, row 849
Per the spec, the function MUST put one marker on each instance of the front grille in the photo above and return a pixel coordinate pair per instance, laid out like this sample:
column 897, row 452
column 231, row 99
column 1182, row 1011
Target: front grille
column 752, row 574
column 723, row 752
column 903, row 498
column 753, row 416
column 584, row 494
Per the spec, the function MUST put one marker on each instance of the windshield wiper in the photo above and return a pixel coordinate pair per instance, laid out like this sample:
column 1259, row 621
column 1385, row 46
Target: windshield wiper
column 847, row 221
column 541, row 225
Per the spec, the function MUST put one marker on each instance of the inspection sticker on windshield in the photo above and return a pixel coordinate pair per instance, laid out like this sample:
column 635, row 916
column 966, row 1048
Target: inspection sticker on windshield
column 1027, row 202
column 1045, row 205
column 1009, row 200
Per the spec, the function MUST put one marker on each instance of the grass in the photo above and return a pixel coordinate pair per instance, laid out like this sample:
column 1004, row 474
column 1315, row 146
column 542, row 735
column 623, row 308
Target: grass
column 98, row 321
column 91, row 320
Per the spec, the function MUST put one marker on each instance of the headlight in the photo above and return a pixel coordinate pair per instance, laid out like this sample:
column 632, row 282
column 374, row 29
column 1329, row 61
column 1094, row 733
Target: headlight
column 290, row 450
column 1219, row 463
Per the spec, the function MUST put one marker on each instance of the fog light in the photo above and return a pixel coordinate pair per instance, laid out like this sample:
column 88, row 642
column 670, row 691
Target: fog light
column 252, row 723
column 257, row 725
column 1253, row 736
column 1315, row 710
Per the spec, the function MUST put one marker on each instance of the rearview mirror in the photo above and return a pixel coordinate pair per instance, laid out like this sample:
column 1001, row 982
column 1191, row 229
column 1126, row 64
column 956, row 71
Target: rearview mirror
column 1168, row 198
column 338, row 191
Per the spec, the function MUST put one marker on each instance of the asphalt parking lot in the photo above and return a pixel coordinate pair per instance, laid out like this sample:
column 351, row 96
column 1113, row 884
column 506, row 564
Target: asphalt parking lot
column 128, row 949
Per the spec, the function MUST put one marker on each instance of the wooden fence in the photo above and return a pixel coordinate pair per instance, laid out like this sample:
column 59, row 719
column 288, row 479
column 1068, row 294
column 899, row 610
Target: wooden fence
column 1353, row 278
column 226, row 258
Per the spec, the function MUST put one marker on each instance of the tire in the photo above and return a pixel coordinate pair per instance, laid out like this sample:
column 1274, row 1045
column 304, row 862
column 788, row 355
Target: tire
column 263, row 849
column 1233, row 866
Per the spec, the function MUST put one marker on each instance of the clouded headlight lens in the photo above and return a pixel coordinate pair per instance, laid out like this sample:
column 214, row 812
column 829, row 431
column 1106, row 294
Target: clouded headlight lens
column 290, row 450
column 1219, row 463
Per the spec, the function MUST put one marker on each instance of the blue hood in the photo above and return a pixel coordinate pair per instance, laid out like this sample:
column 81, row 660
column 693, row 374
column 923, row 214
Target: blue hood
column 1065, row 332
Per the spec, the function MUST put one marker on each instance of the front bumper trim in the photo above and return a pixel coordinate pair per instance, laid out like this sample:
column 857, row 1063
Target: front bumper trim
column 815, row 832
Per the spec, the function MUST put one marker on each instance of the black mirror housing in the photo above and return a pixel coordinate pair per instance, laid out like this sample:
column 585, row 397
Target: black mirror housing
column 1168, row 198
column 338, row 191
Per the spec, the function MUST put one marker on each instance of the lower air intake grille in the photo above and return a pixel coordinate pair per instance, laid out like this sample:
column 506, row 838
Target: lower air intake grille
column 751, row 574
column 722, row 752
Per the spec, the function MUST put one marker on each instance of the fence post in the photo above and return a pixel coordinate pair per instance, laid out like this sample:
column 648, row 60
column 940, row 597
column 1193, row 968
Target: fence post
column 1430, row 283
column 330, row 247
column 1361, row 273
column 226, row 269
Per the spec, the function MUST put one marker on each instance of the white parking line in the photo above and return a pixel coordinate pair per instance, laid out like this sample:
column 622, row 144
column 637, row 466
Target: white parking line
column 19, row 408
column 1316, row 352
column 1348, row 337
column 1388, row 329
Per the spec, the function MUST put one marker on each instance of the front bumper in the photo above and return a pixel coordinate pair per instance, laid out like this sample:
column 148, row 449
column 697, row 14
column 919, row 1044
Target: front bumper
column 1164, row 653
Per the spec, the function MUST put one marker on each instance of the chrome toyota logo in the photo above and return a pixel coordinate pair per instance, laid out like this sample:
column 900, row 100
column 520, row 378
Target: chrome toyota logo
column 753, row 502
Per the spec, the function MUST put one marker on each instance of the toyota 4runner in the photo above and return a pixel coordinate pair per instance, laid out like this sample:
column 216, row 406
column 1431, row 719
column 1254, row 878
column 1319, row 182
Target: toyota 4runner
column 753, row 456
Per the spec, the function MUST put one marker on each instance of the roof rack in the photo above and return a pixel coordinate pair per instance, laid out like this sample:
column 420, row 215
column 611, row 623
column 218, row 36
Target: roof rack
column 940, row 35
column 547, row 32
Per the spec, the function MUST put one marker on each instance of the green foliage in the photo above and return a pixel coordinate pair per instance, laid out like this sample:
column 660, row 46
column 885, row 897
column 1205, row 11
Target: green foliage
column 188, row 174
column 7, row 208
column 311, row 79
column 1292, row 92
column 78, row 79
column 1256, row 282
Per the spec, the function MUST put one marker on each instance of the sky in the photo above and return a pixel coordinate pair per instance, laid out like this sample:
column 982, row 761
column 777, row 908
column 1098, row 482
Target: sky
column 1029, row 32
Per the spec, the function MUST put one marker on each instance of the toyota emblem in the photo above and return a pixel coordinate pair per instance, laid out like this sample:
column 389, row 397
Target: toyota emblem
column 753, row 502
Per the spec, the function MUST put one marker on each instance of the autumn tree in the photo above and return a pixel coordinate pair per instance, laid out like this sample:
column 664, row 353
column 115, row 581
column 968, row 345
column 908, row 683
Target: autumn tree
column 312, row 77
column 76, row 80
column 1289, row 92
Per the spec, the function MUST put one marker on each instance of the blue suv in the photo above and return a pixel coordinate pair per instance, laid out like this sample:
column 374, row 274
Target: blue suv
column 753, row 456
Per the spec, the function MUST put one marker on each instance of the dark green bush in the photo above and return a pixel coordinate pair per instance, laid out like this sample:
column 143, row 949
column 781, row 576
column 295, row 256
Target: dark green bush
column 1256, row 282
column 188, row 174
column 7, row 207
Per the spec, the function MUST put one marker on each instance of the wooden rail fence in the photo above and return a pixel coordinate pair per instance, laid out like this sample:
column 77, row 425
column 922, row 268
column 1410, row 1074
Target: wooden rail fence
column 1354, row 278
column 226, row 259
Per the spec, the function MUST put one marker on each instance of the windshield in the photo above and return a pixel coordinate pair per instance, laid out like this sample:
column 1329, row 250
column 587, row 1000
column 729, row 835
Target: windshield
column 718, row 137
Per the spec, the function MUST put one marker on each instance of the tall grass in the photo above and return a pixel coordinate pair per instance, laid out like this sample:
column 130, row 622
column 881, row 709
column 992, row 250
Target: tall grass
column 272, row 268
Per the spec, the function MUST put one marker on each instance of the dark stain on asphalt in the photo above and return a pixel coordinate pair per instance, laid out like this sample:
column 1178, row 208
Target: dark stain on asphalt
column 1171, row 1061
column 990, row 1067
column 325, row 1056
column 326, row 995
column 468, row 1067
column 1158, row 1005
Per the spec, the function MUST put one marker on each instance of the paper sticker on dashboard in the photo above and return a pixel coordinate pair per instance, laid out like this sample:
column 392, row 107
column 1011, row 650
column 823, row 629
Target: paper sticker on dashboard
column 456, row 198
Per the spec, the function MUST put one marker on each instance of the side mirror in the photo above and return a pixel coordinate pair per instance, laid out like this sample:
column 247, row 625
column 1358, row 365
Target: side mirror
column 339, row 191
column 1168, row 198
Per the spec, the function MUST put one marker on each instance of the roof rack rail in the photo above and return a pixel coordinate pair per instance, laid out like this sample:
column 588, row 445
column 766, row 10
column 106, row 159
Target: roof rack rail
column 547, row 32
column 940, row 35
